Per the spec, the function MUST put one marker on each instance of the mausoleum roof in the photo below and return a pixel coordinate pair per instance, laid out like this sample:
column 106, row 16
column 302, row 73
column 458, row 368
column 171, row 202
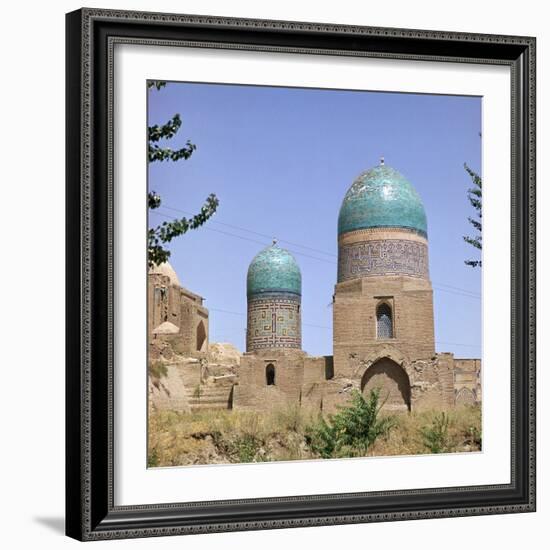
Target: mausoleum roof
column 382, row 197
column 274, row 269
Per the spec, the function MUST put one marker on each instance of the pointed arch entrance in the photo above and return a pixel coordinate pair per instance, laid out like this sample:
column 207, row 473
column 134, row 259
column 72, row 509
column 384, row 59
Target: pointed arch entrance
column 393, row 382
column 201, row 336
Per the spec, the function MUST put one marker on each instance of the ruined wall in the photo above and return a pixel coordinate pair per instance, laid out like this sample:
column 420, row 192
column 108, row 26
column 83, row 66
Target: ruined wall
column 309, row 381
column 432, row 383
column 404, row 384
column 317, row 370
column 183, row 309
column 269, row 379
column 438, row 383
column 467, row 381
column 157, row 300
column 193, row 336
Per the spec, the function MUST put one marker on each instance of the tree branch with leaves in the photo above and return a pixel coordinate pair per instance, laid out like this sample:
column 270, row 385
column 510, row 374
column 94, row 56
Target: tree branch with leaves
column 474, row 196
column 167, row 231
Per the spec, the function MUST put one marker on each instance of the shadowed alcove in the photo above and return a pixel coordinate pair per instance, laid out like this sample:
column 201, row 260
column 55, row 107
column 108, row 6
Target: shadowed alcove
column 201, row 336
column 393, row 382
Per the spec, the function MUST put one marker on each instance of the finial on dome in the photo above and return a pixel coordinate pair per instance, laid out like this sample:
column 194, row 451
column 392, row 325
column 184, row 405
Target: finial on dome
column 274, row 241
column 381, row 161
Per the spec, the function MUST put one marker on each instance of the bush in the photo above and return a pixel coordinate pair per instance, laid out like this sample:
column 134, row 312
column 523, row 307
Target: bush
column 245, row 448
column 352, row 430
column 435, row 437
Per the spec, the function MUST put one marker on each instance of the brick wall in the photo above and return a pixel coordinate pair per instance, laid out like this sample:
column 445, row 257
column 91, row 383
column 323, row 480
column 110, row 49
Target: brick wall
column 253, row 390
column 467, row 381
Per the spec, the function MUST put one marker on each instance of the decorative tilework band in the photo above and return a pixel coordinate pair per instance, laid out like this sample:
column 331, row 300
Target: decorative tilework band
column 382, row 257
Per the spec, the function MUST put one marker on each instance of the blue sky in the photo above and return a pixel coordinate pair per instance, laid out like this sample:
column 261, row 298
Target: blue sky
column 280, row 161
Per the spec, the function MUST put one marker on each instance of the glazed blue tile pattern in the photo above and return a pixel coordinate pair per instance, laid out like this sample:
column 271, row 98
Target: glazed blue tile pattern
column 274, row 322
column 382, row 197
column 274, row 269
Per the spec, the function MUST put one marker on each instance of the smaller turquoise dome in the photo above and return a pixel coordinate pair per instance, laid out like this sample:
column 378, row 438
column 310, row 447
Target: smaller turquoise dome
column 274, row 269
column 382, row 197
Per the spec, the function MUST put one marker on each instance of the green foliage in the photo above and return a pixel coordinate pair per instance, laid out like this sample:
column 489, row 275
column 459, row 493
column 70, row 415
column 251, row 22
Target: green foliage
column 245, row 448
column 474, row 436
column 352, row 430
column 165, row 232
column 435, row 437
column 157, row 84
column 474, row 196
column 157, row 370
column 167, row 131
column 168, row 230
column 153, row 459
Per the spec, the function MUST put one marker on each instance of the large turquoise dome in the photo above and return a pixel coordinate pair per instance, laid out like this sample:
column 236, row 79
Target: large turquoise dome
column 274, row 269
column 382, row 197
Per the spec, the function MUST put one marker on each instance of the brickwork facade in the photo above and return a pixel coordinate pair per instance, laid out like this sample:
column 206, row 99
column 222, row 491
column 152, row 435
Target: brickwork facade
column 383, row 318
column 356, row 318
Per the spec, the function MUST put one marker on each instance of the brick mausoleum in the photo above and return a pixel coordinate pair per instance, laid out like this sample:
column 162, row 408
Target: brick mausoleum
column 383, row 321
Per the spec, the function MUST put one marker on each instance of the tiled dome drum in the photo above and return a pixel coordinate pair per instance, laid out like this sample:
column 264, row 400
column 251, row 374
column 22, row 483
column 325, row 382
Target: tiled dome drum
column 382, row 228
column 274, row 289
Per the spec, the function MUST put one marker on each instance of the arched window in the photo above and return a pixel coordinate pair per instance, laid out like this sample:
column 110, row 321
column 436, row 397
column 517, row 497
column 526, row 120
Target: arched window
column 384, row 321
column 270, row 375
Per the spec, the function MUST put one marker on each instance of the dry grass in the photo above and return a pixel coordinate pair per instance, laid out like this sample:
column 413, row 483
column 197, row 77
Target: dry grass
column 219, row 436
column 407, row 438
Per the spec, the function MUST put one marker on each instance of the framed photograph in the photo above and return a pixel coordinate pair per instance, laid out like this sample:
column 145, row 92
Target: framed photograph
column 300, row 274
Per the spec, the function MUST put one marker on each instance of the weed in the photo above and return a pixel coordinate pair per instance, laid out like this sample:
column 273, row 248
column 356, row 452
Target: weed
column 153, row 458
column 435, row 437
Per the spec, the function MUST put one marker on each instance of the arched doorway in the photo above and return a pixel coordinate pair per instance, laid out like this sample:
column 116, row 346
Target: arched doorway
column 201, row 336
column 393, row 382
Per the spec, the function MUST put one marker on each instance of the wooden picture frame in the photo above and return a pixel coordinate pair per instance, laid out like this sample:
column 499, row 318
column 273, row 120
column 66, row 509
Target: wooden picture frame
column 90, row 509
